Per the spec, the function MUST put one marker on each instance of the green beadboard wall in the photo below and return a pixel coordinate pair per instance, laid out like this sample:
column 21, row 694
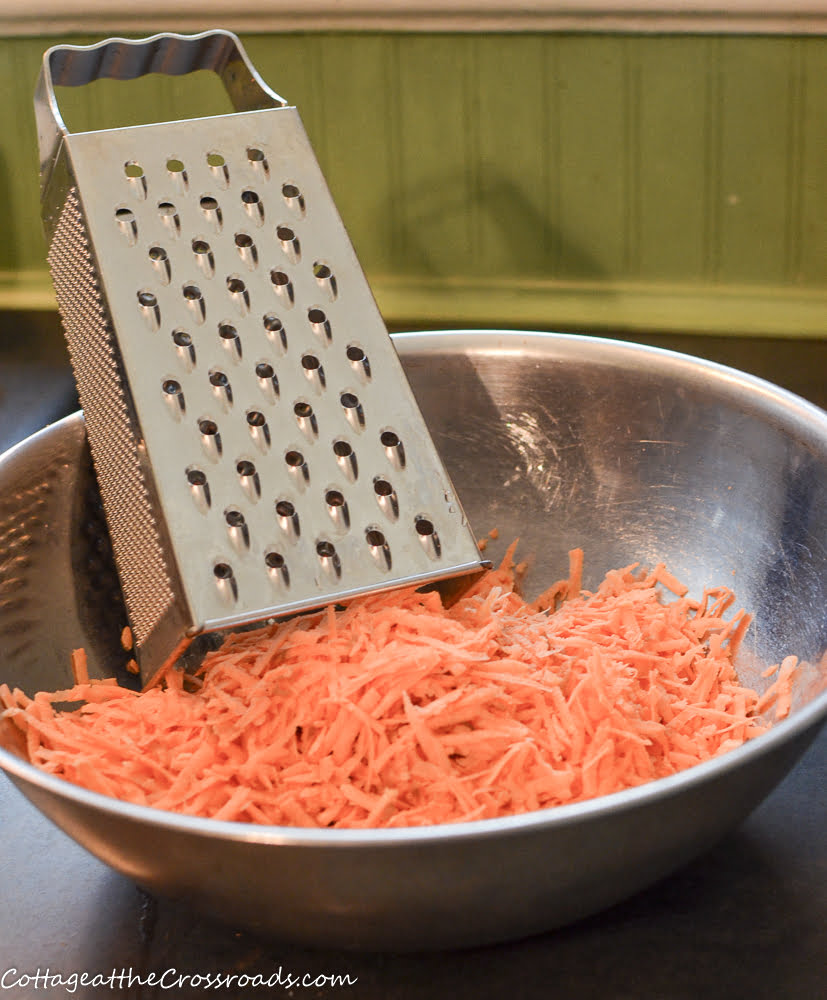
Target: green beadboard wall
column 570, row 181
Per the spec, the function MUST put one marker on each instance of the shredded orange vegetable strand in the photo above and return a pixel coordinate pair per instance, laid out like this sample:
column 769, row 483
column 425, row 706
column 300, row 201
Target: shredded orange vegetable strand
column 397, row 711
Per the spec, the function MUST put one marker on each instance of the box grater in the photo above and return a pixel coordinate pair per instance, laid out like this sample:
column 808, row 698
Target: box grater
column 258, row 449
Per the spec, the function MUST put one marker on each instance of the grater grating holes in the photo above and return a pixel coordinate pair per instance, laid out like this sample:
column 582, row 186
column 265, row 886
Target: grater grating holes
column 314, row 372
column 288, row 519
column 148, row 595
column 230, row 340
column 325, row 279
column 267, row 380
column 210, row 438
column 173, row 396
column 293, row 197
column 127, row 225
column 346, row 459
column 159, row 260
column 135, row 178
column 246, row 250
column 199, row 488
column 394, row 449
column 253, row 206
column 283, row 287
column 212, row 212
column 337, row 508
column 150, row 310
column 219, row 171
column 320, row 324
column 259, row 429
column 237, row 529
column 379, row 549
column 258, row 161
column 306, row 419
column 249, row 479
column 177, row 174
column 194, row 299
column 358, row 361
column 204, row 258
column 221, row 389
column 170, row 218
column 239, row 294
column 277, row 569
column 329, row 560
column 226, row 582
column 297, row 468
column 289, row 243
column 185, row 348
column 426, row 531
column 207, row 256
column 354, row 413
column 275, row 331
column 386, row 497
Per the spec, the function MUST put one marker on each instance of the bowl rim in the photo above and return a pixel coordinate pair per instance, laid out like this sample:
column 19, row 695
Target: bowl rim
column 798, row 724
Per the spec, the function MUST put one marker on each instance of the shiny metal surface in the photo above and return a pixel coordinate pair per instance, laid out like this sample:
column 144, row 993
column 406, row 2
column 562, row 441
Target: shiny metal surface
column 243, row 401
column 633, row 453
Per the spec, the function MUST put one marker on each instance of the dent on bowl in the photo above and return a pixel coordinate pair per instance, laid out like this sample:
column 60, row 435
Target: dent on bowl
column 633, row 453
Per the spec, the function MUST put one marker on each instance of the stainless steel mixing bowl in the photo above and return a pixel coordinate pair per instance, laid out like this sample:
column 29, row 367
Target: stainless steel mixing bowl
column 631, row 453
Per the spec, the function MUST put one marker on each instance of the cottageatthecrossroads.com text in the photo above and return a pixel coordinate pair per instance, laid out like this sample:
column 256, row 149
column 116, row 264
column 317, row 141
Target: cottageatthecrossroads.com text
column 168, row 979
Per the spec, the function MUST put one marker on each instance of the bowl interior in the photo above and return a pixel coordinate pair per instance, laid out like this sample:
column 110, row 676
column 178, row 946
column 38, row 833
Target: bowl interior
column 633, row 454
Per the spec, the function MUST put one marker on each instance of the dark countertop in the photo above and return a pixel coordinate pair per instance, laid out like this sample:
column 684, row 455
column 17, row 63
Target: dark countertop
column 748, row 919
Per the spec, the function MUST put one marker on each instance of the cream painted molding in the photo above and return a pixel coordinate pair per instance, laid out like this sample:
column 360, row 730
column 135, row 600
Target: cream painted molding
column 101, row 17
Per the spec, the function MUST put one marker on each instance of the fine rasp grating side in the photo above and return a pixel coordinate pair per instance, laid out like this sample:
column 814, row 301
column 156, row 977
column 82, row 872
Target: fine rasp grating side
column 258, row 448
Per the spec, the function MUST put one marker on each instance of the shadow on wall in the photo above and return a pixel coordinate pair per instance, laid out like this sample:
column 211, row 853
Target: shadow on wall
column 499, row 231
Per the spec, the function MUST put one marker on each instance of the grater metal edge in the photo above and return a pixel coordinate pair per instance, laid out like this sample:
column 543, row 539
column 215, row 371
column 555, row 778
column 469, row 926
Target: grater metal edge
column 350, row 499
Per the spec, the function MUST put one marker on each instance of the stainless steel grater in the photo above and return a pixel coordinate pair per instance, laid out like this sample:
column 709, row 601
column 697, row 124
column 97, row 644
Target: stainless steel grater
column 258, row 449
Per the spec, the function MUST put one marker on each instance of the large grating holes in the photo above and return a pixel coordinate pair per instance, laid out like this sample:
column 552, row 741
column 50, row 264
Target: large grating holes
column 293, row 198
column 277, row 568
column 159, row 261
column 210, row 438
column 127, row 225
column 230, row 340
column 239, row 294
column 225, row 582
column 358, row 361
column 135, row 178
column 379, row 549
column 289, row 243
column 177, row 173
column 149, row 308
column 194, row 299
column 386, row 497
column 354, row 413
column 199, row 488
column 253, row 206
column 287, row 518
column 329, row 560
column 313, row 371
column 258, row 161
column 319, row 323
column 346, row 459
column 394, row 449
column 259, row 428
column 171, row 221
column 275, row 330
column 282, row 286
column 212, row 212
column 325, row 279
column 219, row 171
column 184, row 347
column 246, row 250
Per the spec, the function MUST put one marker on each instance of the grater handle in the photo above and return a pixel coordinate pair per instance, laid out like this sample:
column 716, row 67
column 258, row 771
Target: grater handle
column 128, row 59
